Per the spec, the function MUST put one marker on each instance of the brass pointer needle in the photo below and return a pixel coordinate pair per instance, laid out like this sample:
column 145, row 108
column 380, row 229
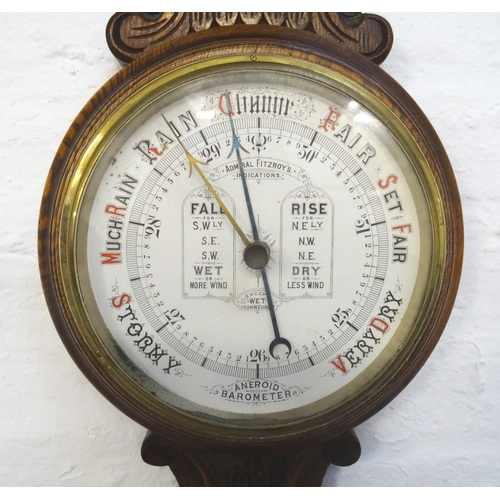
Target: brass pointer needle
column 193, row 162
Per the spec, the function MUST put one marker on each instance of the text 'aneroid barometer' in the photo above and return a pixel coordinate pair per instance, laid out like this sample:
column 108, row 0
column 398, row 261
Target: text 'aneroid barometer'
column 250, row 240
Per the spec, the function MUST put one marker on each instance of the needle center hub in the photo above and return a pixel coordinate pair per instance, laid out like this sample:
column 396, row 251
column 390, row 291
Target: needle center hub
column 256, row 255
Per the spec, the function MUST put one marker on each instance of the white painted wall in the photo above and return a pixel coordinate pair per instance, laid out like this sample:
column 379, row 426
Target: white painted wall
column 56, row 430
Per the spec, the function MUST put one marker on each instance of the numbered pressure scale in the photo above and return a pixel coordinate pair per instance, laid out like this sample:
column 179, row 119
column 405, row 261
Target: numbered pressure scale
column 250, row 245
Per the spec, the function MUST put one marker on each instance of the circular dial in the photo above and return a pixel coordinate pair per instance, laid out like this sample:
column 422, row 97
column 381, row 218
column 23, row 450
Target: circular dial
column 251, row 242
column 218, row 165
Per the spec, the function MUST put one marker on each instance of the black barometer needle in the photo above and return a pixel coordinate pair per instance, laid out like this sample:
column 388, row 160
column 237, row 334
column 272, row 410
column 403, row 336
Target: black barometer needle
column 256, row 254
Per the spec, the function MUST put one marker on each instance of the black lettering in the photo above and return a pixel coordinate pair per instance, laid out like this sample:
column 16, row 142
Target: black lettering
column 172, row 363
column 188, row 121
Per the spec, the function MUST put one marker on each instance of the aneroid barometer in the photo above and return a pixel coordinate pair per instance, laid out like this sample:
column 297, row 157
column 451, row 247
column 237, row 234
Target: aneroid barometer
column 250, row 240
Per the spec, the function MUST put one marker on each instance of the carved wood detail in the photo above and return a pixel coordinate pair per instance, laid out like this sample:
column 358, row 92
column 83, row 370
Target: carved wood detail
column 131, row 34
column 305, row 467
column 301, row 457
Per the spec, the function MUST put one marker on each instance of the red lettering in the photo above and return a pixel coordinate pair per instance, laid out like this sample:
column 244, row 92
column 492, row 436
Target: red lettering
column 225, row 99
column 156, row 152
column 118, row 302
column 385, row 184
column 111, row 209
column 339, row 364
column 330, row 120
column 379, row 324
column 402, row 228
column 111, row 258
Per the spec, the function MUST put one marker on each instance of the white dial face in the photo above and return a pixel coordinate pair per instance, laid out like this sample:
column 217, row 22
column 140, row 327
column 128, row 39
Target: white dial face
column 327, row 202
